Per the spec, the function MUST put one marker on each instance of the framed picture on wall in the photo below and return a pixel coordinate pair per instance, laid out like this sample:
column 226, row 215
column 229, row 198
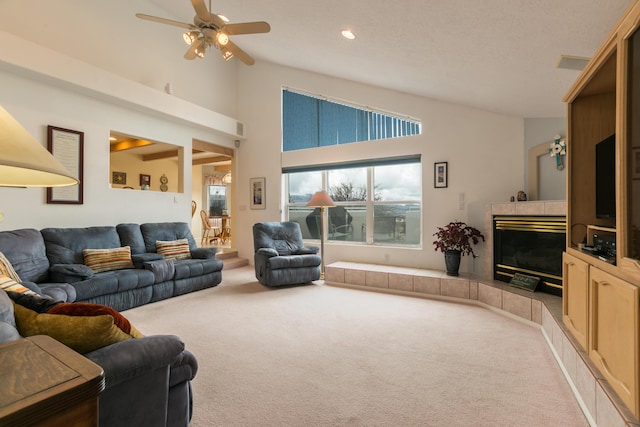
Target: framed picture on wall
column 68, row 147
column 441, row 174
column 257, row 192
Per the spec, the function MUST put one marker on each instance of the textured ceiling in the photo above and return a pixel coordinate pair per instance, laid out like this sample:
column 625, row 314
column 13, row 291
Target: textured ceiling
column 498, row 55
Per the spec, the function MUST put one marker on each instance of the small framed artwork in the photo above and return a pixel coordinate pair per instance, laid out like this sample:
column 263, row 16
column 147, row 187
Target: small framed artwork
column 635, row 163
column 257, row 191
column 145, row 180
column 440, row 175
column 119, row 178
column 68, row 147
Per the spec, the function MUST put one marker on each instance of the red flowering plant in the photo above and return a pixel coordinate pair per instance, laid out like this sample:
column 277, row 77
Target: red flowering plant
column 457, row 236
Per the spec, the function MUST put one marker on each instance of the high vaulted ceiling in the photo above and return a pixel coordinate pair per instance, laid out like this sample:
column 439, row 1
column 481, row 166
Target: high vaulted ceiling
column 498, row 55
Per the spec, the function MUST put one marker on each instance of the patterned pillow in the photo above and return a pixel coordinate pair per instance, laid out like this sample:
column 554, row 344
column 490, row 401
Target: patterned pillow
column 174, row 249
column 83, row 327
column 10, row 285
column 100, row 260
column 6, row 269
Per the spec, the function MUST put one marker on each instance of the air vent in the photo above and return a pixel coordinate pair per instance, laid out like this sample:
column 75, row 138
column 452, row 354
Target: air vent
column 569, row 62
column 239, row 129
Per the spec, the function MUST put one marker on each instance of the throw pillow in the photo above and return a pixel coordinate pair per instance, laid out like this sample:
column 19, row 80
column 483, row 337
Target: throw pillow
column 6, row 269
column 100, row 260
column 10, row 285
column 174, row 249
column 81, row 326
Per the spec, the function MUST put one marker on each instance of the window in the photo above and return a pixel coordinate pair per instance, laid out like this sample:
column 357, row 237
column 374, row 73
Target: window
column 310, row 122
column 375, row 203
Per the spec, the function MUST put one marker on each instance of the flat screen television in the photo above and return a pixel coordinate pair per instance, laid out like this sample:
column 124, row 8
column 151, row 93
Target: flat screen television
column 606, row 178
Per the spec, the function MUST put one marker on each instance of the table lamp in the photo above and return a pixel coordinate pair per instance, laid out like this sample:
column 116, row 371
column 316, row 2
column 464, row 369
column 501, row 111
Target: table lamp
column 321, row 199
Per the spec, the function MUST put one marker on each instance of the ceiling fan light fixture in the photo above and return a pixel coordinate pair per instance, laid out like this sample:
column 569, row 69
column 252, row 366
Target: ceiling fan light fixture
column 226, row 53
column 189, row 37
column 224, row 18
column 200, row 50
column 222, row 38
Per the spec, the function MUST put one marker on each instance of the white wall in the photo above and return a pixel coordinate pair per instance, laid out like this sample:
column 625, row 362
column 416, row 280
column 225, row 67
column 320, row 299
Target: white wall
column 484, row 152
column 551, row 181
column 36, row 105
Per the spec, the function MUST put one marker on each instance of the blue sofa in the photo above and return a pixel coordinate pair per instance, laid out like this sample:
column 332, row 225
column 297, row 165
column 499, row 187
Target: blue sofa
column 51, row 262
column 148, row 380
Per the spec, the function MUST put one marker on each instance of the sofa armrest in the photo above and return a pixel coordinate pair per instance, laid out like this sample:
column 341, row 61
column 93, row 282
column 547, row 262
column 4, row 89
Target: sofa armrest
column 59, row 291
column 267, row 252
column 140, row 259
column 69, row 273
column 131, row 358
column 204, row 253
column 307, row 250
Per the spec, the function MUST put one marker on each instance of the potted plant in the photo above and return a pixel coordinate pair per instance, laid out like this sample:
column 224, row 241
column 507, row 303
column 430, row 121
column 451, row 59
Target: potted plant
column 456, row 239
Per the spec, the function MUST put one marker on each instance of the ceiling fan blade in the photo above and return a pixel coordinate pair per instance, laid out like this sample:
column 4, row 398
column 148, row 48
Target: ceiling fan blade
column 201, row 10
column 191, row 53
column 166, row 21
column 240, row 54
column 247, row 28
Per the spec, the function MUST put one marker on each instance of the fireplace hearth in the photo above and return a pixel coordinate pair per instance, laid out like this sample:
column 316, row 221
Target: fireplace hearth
column 530, row 245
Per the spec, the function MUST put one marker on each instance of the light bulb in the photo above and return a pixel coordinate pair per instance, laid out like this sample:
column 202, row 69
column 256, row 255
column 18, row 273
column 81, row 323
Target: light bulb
column 222, row 38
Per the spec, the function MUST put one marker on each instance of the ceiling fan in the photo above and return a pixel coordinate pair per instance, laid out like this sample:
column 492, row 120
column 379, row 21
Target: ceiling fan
column 210, row 29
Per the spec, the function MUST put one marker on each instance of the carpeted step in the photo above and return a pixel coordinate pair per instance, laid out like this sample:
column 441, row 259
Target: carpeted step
column 234, row 262
column 231, row 259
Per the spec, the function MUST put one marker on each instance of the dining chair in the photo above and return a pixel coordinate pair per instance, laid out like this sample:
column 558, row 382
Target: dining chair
column 207, row 229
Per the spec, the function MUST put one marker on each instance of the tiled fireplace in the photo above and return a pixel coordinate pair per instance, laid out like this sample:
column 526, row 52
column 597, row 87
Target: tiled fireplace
column 510, row 223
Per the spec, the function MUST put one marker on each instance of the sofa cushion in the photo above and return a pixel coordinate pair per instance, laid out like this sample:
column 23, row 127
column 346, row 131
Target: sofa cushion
column 6, row 309
column 294, row 261
column 100, row 260
column 26, row 250
column 152, row 232
column 174, row 249
column 65, row 245
column 80, row 326
column 113, row 282
column 130, row 235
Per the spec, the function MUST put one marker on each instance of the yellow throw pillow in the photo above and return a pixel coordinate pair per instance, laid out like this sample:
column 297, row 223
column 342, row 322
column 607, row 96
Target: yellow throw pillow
column 174, row 249
column 81, row 326
column 100, row 260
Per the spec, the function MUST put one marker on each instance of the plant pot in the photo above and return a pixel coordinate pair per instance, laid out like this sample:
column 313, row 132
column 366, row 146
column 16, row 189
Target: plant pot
column 452, row 262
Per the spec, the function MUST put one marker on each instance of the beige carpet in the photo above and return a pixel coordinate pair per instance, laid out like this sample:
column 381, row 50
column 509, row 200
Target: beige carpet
column 320, row 355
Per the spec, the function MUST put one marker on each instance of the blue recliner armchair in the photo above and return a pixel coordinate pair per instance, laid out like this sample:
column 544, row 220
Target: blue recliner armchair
column 281, row 258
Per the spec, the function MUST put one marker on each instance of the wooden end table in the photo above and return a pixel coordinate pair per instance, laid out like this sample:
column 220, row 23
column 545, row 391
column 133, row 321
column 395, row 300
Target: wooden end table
column 45, row 383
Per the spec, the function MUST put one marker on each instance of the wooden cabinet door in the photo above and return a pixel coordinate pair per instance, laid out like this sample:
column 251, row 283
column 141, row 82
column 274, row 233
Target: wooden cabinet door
column 613, row 344
column 575, row 297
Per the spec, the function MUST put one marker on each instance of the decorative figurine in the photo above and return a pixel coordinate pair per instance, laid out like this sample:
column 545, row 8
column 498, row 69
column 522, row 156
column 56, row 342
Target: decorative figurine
column 558, row 149
column 522, row 196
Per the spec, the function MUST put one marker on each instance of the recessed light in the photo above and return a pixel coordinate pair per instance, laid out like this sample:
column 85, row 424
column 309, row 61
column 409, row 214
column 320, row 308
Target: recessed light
column 347, row 34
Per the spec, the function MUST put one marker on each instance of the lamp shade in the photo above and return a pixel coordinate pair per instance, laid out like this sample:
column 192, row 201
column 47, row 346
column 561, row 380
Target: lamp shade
column 26, row 163
column 321, row 200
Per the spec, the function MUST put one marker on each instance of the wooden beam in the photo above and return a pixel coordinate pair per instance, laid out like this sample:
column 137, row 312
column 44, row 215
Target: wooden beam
column 212, row 148
column 213, row 159
column 159, row 156
column 127, row 145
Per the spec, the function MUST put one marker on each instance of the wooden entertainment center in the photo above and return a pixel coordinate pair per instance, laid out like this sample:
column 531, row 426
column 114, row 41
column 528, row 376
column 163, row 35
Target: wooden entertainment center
column 601, row 296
